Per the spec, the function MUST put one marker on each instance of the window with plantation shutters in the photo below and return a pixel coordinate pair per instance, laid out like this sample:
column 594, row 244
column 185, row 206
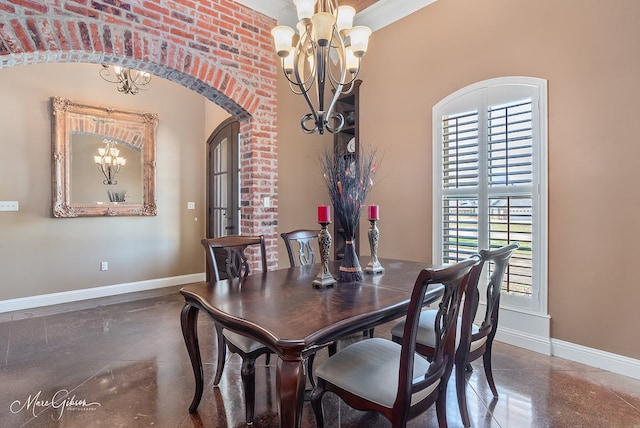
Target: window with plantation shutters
column 490, row 180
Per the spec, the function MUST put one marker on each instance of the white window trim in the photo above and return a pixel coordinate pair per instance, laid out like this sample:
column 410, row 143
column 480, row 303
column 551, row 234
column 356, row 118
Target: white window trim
column 537, row 310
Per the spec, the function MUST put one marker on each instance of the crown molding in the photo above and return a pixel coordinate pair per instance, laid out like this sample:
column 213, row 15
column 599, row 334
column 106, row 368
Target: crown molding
column 386, row 12
column 381, row 14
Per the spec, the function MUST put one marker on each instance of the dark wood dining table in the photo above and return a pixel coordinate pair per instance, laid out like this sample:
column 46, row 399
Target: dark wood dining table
column 285, row 312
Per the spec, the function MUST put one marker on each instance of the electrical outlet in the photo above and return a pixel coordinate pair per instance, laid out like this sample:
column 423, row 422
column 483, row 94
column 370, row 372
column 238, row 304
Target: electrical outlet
column 8, row 205
column 104, row 266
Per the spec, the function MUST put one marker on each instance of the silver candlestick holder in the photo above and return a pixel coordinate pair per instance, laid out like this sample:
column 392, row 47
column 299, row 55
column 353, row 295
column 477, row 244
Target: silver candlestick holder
column 374, row 265
column 324, row 278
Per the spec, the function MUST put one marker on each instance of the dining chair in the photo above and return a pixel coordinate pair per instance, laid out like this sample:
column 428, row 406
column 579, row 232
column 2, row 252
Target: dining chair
column 229, row 252
column 472, row 341
column 299, row 244
column 380, row 375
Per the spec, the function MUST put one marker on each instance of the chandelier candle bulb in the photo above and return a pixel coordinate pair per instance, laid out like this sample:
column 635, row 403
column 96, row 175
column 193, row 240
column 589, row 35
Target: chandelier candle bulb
column 323, row 214
column 322, row 27
column 374, row 212
column 282, row 37
column 351, row 60
column 344, row 18
column 305, row 8
column 359, row 40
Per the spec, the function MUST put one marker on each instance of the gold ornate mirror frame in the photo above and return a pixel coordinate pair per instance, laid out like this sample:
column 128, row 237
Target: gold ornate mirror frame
column 131, row 128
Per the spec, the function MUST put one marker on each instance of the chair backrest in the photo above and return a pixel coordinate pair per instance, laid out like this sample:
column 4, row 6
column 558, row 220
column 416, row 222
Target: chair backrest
column 498, row 260
column 228, row 252
column 304, row 254
column 454, row 278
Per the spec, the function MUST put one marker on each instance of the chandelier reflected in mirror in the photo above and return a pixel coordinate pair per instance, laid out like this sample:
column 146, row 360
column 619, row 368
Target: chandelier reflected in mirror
column 325, row 48
column 129, row 81
column 109, row 162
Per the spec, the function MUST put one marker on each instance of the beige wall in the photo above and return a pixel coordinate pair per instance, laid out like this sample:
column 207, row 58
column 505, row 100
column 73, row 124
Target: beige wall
column 300, row 184
column 588, row 52
column 40, row 254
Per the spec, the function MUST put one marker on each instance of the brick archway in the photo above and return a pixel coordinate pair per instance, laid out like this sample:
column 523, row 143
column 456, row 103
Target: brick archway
column 217, row 48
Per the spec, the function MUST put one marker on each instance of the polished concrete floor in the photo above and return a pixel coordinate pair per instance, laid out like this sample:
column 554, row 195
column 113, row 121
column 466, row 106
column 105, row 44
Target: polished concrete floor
column 125, row 365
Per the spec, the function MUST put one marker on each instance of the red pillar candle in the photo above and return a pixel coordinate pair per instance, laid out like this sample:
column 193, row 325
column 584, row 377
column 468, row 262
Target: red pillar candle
column 323, row 214
column 374, row 212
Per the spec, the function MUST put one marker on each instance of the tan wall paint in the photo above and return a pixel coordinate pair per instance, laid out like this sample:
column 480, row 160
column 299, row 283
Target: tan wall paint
column 588, row 51
column 300, row 185
column 40, row 254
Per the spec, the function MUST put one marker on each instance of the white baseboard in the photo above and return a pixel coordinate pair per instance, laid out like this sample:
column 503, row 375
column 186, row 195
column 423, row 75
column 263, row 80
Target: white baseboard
column 92, row 293
column 593, row 357
column 531, row 342
column 581, row 354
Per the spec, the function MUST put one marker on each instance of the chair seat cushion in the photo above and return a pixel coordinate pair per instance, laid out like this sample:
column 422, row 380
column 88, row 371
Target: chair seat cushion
column 244, row 343
column 426, row 335
column 369, row 369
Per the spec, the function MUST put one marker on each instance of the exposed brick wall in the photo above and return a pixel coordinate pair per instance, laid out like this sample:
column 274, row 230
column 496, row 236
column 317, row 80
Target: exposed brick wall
column 217, row 48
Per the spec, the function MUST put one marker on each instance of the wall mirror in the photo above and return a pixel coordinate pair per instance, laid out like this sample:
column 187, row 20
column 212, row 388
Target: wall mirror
column 103, row 160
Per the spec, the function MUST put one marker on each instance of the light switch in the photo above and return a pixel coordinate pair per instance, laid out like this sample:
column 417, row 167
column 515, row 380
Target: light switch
column 191, row 205
column 8, row 205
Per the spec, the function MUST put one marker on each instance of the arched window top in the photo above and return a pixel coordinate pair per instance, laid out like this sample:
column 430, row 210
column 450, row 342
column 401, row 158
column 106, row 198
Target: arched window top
column 490, row 179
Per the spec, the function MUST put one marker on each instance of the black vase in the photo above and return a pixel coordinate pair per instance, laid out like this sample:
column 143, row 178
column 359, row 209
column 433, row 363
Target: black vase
column 350, row 269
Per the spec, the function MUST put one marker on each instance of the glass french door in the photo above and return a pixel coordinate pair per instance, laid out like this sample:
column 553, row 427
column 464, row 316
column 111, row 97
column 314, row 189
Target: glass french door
column 223, row 180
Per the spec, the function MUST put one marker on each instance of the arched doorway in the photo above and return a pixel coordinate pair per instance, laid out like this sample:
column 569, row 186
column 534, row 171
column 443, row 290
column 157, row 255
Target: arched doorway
column 223, row 181
column 200, row 50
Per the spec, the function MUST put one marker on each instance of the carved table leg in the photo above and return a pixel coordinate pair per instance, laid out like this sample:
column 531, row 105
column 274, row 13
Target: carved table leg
column 189, row 323
column 290, row 383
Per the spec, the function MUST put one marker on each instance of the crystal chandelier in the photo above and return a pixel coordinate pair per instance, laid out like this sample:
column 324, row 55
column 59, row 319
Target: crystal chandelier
column 326, row 47
column 109, row 162
column 129, row 81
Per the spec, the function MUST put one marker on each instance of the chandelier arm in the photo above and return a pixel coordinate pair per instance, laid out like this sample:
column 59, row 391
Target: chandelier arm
column 293, row 84
column 315, row 116
column 108, row 179
column 307, row 84
column 338, row 117
column 337, row 44
column 141, row 79
column 128, row 81
column 348, row 83
column 303, row 50
column 310, row 117
column 105, row 73
column 343, row 67
column 322, row 54
column 330, row 115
